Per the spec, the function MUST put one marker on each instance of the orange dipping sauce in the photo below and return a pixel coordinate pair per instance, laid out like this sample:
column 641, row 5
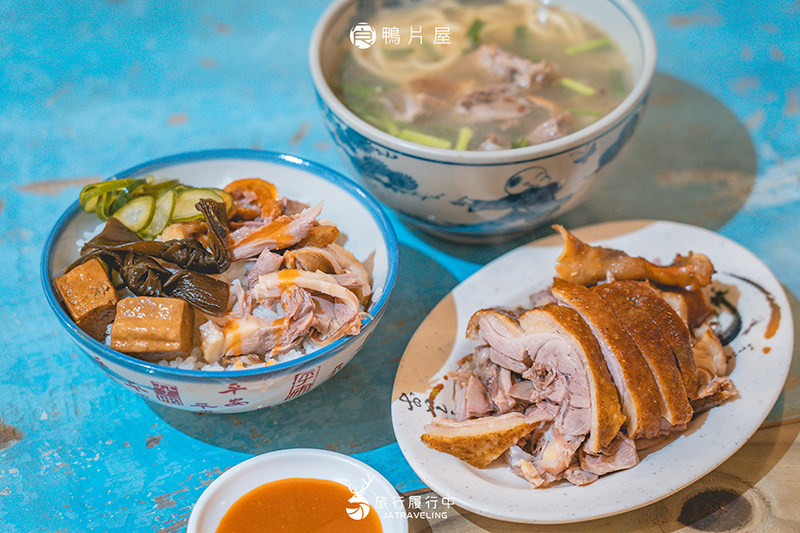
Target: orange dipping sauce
column 300, row 505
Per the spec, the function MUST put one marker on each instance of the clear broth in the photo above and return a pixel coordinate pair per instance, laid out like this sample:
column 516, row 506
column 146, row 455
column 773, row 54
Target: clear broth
column 375, row 82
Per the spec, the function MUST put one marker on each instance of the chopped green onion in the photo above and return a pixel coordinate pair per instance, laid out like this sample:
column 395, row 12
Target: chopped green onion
column 590, row 112
column 520, row 143
column 578, row 87
column 391, row 128
column 473, row 33
column 464, row 136
column 423, row 138
column 617, row 85
column 383, row 123
column 361, row 91
column 588, row 46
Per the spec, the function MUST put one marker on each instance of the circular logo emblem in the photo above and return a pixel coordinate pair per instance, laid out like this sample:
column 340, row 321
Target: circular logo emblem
column 362, row 35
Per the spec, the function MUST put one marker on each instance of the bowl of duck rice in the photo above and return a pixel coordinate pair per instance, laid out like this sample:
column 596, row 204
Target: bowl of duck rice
column 221, row 281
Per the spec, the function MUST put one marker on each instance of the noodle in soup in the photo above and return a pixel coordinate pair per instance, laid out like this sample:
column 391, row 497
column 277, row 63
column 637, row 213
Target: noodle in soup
column 482, row 76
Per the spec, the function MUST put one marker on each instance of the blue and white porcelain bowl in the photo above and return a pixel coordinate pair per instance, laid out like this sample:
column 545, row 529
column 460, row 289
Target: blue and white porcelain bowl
column 359, row 217
column 478, row 196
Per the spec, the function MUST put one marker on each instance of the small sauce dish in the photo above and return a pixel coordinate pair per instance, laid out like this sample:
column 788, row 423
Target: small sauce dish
column 366, row 484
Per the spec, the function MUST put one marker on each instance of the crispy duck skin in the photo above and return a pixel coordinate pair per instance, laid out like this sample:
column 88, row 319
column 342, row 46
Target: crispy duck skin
column 673, row 328
column 632, row 376
column 674, row 401
column 588, row 265
column 478, row 441
column 606, row 415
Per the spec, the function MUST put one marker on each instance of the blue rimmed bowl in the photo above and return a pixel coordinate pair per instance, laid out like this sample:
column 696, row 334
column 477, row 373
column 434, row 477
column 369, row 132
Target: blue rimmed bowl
column 480, row 196
column 360, row 218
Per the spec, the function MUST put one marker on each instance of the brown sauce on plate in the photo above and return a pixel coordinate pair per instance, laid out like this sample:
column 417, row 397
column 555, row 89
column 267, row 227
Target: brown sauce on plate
column 300, row 505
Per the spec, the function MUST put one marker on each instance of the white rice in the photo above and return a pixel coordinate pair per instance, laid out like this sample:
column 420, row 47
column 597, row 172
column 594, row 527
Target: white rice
column 196, row 361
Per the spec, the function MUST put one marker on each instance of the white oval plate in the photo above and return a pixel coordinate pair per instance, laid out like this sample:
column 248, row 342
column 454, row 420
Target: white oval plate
column 297, row 463
column 760, row 370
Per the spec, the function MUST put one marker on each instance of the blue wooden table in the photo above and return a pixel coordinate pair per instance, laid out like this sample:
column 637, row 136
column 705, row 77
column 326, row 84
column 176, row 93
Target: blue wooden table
column 88, row 89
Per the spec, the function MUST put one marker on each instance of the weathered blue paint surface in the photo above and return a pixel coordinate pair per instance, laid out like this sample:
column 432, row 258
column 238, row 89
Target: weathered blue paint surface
column 88, row 89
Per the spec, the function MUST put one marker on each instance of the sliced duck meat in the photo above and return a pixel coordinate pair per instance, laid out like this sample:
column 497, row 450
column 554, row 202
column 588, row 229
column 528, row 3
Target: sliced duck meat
column 544, row 457
column 565, row 338
column 498, row 381
column 692, row 306
column 678, row 304
column 631, row 373
column 588, row 265
column 333, row 319
column 493, row 142
column 281, row 232
column 548, row 130
column 478, row 441
column 336, row 261
column 579, row 477
column 337, row 310
column 595, row 371
column 266, row 263
column 709, row 355
column 493, row 104
column 542, row 412
column 504, row 361
column 673, row 399
column 713, row 393
column 524, row 391
column 352, row 266
column 619, row 454
column 549, row 381
column 472, row 399
column 267, row 335
column 273, row 284
column 319, row 236
column 501, row 331
column 311, row 258
column 672, row 327
column 495, row 379
column 509, row 67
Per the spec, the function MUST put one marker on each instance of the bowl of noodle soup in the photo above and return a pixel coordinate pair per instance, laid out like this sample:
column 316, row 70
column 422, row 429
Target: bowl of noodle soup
column 478, row 121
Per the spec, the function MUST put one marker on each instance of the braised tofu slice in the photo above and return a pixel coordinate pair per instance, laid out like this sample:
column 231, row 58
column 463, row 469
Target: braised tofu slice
column 152, row 328
column 89, row 296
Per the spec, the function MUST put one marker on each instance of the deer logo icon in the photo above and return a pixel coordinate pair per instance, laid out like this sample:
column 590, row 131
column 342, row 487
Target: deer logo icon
column 362, row 508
